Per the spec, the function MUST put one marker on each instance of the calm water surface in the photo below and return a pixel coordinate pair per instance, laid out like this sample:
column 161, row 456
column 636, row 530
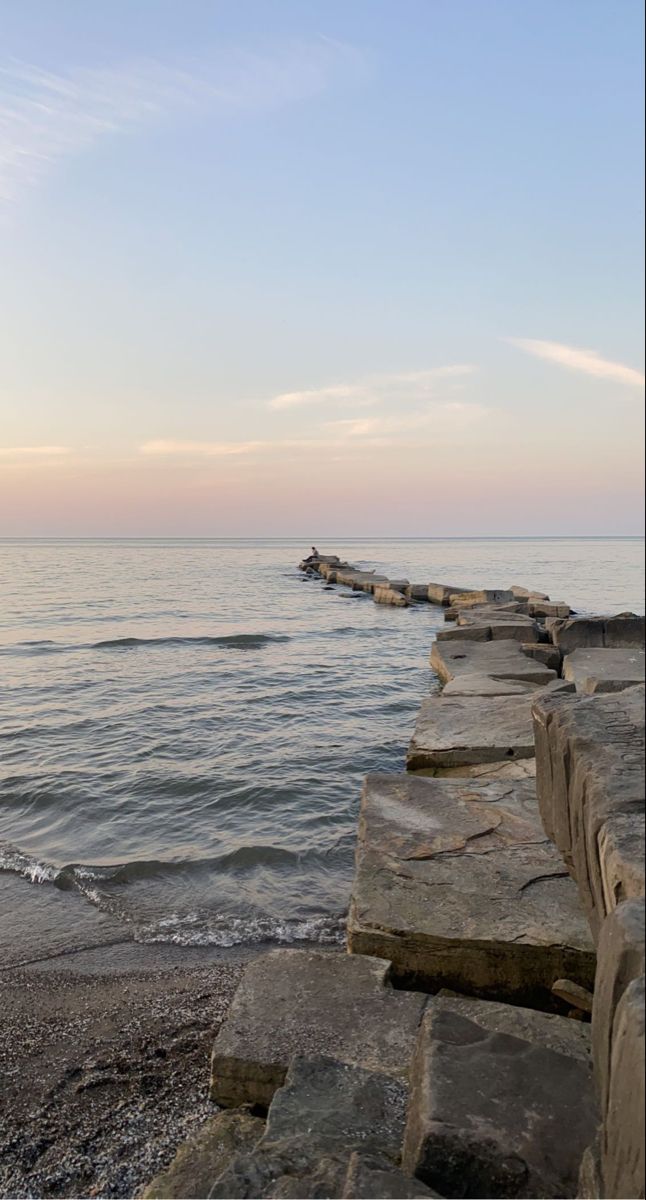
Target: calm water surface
column 184, row 725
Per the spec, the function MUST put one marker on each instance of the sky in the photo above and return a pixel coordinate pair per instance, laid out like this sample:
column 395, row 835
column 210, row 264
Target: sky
column 321, row 267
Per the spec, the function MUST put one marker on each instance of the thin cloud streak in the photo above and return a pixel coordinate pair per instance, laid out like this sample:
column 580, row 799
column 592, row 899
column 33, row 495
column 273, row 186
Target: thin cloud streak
column 436, row 418
column 21, row 452
column 46, row 117
column 587, row 361
column 339, row 394
column 372, row 389
column 171, row 448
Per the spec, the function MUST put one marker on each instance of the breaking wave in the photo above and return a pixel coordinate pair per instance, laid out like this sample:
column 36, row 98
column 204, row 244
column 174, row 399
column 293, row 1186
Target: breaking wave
column 212, row 930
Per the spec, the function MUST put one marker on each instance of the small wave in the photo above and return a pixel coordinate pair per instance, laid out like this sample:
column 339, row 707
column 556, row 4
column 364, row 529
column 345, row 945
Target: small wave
column 83, row 877
column 194, row 929
column 240, row 641
column 233, row 641
column 352, row 631
column 29, row 868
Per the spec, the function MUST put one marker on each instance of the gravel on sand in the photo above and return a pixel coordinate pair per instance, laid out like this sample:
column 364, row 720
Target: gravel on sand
column 104, row 1073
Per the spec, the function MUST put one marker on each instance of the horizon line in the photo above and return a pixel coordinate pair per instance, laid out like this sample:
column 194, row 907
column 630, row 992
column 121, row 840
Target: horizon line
column 463, row 537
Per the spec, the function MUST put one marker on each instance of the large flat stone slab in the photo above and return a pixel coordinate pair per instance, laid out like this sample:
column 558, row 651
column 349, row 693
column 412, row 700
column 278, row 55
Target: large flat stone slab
column 590, row 786
column 461, row 731
column 500, row 659
column 624, row 630
column 459, row 886
column 359, row 581
column 487, row 685
column 315, row 1003
column 604, row 670
column 492, row 1115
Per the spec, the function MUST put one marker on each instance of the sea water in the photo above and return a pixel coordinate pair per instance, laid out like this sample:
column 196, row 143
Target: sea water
column 184, row 725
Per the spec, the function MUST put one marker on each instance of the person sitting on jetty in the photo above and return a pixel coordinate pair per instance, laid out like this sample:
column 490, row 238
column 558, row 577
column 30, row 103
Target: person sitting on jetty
column 313, row 557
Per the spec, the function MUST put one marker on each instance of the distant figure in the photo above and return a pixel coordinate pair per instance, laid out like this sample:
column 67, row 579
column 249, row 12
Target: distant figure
column 313, row 556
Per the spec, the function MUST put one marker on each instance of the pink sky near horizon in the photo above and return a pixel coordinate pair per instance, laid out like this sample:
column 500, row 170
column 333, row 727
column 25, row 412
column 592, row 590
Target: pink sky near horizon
column 479, row 481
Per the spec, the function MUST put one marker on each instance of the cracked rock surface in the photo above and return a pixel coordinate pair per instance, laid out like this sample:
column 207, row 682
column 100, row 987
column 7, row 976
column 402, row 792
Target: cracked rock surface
column 458, row 884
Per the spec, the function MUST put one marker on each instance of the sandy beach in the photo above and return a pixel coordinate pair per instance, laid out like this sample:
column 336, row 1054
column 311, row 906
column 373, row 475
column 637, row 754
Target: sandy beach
column 104, row 1060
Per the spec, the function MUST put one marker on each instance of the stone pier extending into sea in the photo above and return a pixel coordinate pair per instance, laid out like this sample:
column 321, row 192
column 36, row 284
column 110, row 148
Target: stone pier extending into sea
column 484, row 1035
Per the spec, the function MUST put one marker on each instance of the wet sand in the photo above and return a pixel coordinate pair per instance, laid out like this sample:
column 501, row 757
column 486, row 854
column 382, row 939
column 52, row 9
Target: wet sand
column 104, row 1060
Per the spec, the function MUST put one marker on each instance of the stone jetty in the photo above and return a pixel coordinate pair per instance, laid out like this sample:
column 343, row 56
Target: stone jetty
column 484, row 1034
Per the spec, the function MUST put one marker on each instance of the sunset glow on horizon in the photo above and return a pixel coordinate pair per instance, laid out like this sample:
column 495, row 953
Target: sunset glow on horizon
column 371, row 272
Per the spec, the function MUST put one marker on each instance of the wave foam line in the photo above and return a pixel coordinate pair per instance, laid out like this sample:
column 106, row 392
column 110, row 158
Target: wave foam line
column 225, row 931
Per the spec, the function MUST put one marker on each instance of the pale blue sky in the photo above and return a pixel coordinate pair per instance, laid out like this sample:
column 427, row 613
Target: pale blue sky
column 259, row 257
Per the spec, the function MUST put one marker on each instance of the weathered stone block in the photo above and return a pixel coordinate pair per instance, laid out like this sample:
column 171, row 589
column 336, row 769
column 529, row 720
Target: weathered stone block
column 370, row 1178
column 491, row 1115
column 458, row 885
column 460, row 731
column 622, row 1138
column 325, row 1111
column 523, row 593
column 417, row 591
column 485, row 596
column 545, row 653
column 315, row 1003
column 548, row 608
column 620, row 960
column 487, row 685
column 590, row 768
column 506, row 626
column 360, row 580
column 624, row 630
column 505, row 659
column 590, row 1183
column 342, row 1106
column 541, row 1028
column 388, row 595
column 439, row 593
column 621, row 847
column 520, row 768
column 199, row 1161
column 289, row 1170
column 604, row 670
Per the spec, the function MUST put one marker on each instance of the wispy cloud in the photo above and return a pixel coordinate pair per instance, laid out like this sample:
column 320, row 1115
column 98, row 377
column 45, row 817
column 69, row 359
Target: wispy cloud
column 435, row 418
column 574, row 359
column 372, row 389
column 46, row 117
column 170, row 448
column 336, row 394
column 26, row 452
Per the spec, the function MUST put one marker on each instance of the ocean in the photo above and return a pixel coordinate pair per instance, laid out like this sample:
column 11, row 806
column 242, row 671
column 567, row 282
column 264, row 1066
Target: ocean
column 185, row 724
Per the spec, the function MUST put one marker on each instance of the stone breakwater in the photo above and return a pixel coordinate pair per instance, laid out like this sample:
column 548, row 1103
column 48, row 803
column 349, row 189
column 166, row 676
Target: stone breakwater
column 484, row 1035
